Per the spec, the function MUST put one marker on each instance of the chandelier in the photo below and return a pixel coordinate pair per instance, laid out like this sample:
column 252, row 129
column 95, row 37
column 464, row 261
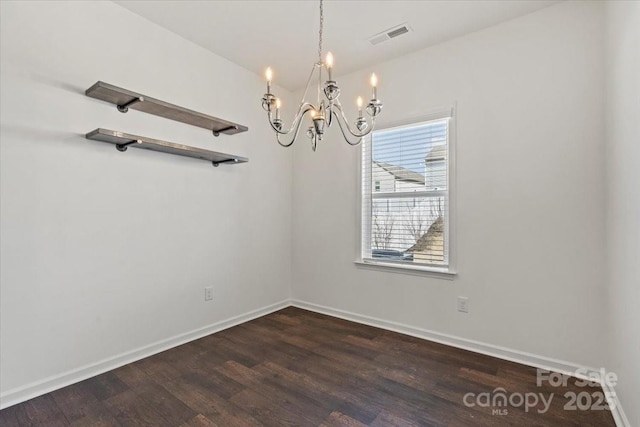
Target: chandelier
column 326, row 110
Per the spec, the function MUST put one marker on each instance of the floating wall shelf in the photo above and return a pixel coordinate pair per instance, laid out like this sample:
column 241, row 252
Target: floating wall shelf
column 125, row 99
column 124, row 140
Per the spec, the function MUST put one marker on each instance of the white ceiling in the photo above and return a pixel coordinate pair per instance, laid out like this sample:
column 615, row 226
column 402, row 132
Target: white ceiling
column 284, row 34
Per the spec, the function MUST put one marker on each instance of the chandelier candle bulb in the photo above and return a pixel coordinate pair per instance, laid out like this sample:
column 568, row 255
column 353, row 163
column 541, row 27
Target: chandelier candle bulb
column 269, row 75
column 278, row 104
column 329, row 63
column 359, row 102
column 374, row 84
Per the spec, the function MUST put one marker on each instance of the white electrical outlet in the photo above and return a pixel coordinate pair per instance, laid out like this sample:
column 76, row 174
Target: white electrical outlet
column 463, row 304
column 208, row 294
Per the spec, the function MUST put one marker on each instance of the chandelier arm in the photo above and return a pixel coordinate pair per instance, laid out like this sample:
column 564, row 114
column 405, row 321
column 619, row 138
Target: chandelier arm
column 346, row 137
column 296, row 120
column 283, row 144
column 307, row 108
column 306, row 88
column 346, row 123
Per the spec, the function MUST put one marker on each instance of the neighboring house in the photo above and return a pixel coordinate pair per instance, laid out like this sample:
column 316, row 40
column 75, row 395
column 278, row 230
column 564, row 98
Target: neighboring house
column 401, row 223
column 435, row 166
column 392, row 178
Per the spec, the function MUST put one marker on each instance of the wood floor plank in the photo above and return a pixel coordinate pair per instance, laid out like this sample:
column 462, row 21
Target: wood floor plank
column 299, row 340
column 44, row 411
column 15, row 416
column 200, row 421
column 105, row 385
column 216, row 409
column 172, row 409
column 336, row 419
column 158, row 369
column 75, row 401
column 270, row 389
column 40, row 411
column 79, row 406
column 386, row 418
column 271, row 412
column 341, row 399
column 133, row 376
column 132, row 410
column 299, row 368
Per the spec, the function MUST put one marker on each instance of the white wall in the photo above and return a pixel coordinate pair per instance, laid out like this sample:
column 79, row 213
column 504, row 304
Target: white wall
column 105, row 252
column 530, row 216
column 623, row 201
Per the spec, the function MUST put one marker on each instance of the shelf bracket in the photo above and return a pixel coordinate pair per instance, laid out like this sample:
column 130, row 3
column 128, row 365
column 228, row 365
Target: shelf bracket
column 123, row 147
column 217, row 132
column 125, row 107
column 216, row 164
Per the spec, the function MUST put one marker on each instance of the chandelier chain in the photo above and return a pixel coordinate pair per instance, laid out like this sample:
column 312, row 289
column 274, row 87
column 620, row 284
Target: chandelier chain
column 320, row 33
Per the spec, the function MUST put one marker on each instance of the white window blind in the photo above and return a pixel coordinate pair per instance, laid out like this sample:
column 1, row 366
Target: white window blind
column 405, row 195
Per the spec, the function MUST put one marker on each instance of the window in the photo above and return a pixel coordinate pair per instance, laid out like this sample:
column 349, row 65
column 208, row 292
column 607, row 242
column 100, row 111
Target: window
column 405, row 219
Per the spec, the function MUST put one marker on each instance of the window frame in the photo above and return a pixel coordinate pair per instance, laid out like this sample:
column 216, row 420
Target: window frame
column 450, row 271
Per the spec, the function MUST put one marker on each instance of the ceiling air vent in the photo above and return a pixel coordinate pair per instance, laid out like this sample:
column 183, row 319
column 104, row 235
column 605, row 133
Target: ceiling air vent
column 389, row 34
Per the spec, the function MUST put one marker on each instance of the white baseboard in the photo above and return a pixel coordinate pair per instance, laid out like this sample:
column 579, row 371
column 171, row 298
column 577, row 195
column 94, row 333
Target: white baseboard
column 618, row 414
column 499, row 352
column 38, row 388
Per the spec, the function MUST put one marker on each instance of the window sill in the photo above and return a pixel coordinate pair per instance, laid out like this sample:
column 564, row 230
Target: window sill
column 439, row 273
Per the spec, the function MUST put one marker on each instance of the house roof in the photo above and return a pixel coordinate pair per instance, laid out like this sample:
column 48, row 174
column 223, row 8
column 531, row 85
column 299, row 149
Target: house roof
column 400, row 173
column 437, row 152
column 433, row 237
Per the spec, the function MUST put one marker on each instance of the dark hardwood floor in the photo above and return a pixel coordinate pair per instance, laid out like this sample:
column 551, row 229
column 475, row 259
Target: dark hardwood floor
column 299, row 368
